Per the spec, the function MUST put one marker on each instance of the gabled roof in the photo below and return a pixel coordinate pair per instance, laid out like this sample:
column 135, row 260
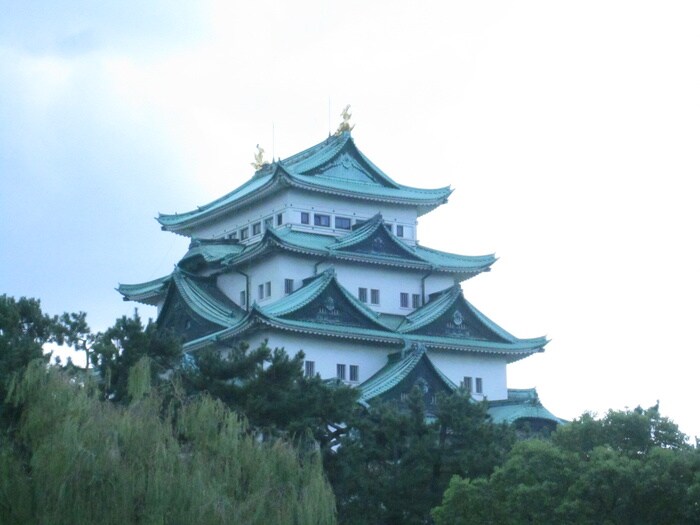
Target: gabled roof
column 323, row 299
column 373, row 238
column 206, row 252
column 450, row 313
column 150, row 292
column 522, row 404
column 398, row 369
column 320, row 307
column 371, row 243
column 204, row 298
column 323, row 307
column 334, row 166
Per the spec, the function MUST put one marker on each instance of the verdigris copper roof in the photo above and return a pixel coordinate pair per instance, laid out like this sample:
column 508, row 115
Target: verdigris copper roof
column 372, row 243
column 150, row 292
column 323, row 307
column 335, row 166
column 397, row 369
column 203, row 297
column 521, row 404
column 453, row 313
column 208, row 251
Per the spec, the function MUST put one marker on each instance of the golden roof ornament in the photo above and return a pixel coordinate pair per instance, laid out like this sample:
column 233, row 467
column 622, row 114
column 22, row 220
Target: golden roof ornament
column 345, row 124
column 259, row 161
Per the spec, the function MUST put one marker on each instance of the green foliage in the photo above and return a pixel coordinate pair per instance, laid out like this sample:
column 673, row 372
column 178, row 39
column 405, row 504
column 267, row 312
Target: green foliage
column 80, row 459
column 270, row 388
column 120, row 347
column 77, row 334
column 630, row 432
column 24, row 329
column 630, row 467
column 393, row 465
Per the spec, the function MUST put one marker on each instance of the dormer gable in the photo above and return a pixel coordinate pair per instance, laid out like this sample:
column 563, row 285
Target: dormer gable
column 341, row 159
column 374, row 238
column 323, row 300
column 195, row 307
column 449, row 314
column 403, row 372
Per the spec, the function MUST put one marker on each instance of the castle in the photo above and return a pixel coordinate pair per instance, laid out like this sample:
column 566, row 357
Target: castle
column 320, row 252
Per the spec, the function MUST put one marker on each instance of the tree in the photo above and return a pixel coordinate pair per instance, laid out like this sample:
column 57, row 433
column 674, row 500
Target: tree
column 270, row 388
column 78, row 458
column 630, row 432
column 24, row 330
column 120, row 347
column 630, row 467
column 394, row 464
column 76, row 333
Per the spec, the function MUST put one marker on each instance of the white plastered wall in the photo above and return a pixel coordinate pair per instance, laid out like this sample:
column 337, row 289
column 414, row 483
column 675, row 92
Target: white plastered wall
column 327, row 353
column 491, row 369
column 291, row 202
column 280, row 266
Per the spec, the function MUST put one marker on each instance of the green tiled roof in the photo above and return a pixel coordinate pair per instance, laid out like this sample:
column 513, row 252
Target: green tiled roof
column 377, row 328
column 453, row 297
column 521, row 404
column 211, row 251
column 403, row 255
column 312, row 289
column 250, row 189
column 148, row 293
column 335, row 167
column 396, row 370
column 202, row 296
column 513, row 351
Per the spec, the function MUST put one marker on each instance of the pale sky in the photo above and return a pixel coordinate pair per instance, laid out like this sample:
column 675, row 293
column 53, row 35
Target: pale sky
column 569, row 131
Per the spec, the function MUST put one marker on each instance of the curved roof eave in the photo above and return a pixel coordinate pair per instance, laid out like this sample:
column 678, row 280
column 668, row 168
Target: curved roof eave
column 146, row 293
column 251, row 191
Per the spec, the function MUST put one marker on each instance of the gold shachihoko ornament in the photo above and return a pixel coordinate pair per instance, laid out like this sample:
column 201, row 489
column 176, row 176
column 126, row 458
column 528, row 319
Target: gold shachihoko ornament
column 345, row 124
column 259, row 161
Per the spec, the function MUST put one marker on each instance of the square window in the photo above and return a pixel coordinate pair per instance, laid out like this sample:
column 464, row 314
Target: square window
column 362, row 294
column 389, row 227
column 343, row 223
column 257, row 228
column 322, row 220
column 304, row 217
column 288, row 286
column 404, row 300
column 374, row 296
column 242, row 303
column 309, row 368
column 399, row 230
column 233, row 235
column 268, row 289
column 261, row 291
column 415, row 300
column 354, row 373
column 268, row 223
column 244, row 233
column 279, row 219
column 340, row 372
column 479, row 386
column 467, row 383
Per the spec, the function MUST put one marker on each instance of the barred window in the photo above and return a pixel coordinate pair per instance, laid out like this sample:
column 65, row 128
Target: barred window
column 322, row 220
column 309, row 368
column 362, row 294
column 415, row 303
